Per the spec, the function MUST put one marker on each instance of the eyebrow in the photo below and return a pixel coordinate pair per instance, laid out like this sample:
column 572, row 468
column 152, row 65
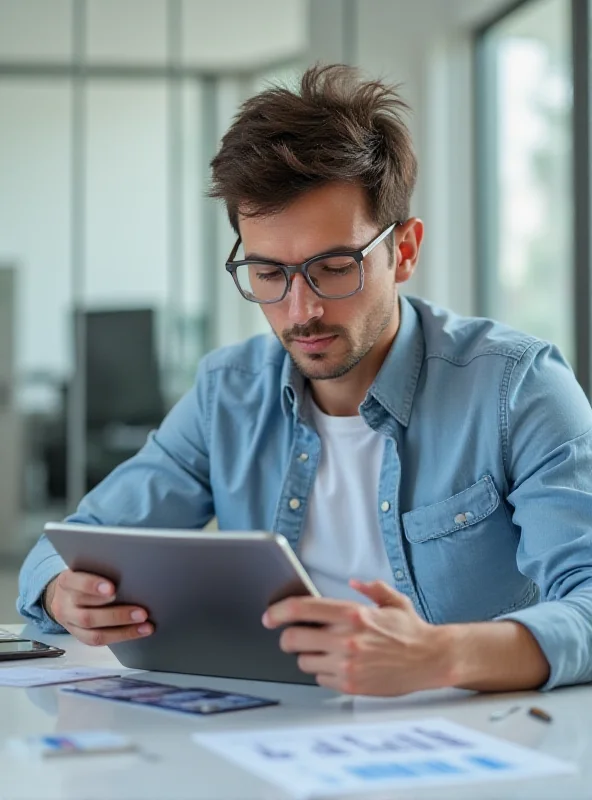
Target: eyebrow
column 340, row 248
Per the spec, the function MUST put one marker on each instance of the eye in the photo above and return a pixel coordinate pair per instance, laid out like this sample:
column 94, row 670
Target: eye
column 334, row 267
column 268, row 274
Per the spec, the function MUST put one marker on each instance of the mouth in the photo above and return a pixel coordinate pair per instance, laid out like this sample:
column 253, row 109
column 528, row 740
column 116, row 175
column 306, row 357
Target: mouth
column 315, row 344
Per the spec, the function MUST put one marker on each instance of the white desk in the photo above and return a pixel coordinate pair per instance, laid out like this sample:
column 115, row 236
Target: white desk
column 179, row 769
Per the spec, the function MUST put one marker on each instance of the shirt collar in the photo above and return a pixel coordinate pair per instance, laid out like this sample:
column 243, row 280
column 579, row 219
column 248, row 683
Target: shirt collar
column 395, row 385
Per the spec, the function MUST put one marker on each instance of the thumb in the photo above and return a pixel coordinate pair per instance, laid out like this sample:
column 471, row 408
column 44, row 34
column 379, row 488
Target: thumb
column 379, row 592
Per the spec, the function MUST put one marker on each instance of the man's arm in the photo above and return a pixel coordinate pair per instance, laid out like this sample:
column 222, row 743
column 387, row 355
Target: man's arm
column 166, row 485
column 548, row 460
column 547, row 444
column 546, row 424
column 494, row 657
column 388, row 649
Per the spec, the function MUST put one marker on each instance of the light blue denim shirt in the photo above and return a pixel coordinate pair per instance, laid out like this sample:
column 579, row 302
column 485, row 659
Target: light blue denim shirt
column 485, row 495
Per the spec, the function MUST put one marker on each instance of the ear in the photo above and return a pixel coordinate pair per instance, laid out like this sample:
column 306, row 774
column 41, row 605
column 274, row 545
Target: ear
column 408, row 240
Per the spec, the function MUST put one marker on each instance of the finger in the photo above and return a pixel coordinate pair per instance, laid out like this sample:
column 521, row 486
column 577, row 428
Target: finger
column 89, row 600
column 380, row 593
column 85, row 583
column 330, row 681
column 303, row 639
column 311, row 609
column 99, row 637
column 317, row 663
column 109, row 617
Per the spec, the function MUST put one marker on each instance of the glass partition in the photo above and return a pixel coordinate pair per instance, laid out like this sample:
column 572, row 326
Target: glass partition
column 111, row 255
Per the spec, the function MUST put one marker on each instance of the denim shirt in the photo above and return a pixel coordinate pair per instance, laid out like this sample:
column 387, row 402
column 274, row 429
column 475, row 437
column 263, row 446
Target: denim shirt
column 485, row 495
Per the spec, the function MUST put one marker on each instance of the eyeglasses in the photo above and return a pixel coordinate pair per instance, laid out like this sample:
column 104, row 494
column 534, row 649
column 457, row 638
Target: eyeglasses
column 333, row 276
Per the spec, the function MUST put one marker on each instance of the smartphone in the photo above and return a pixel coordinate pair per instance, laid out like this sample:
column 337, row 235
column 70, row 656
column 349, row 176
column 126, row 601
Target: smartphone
column 27, row 648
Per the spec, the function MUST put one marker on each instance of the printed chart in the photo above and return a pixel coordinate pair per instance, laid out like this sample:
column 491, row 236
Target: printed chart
column 327, row 760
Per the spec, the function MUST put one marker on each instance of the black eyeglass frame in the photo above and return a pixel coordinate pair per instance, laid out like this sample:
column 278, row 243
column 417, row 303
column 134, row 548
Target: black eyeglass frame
column 302, row 269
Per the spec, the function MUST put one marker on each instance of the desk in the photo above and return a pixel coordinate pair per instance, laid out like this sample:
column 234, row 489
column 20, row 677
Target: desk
column 175, row 768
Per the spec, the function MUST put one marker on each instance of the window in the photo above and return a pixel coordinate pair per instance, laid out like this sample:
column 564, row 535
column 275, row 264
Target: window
column 524, row 169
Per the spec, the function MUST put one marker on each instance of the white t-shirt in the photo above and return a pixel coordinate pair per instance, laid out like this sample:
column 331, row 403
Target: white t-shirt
column 342, row 537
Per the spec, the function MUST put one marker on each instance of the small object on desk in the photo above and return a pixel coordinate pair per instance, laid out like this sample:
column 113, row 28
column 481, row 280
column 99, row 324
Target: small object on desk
column 502, row 713
column 540, row 714
column 25, row 676
column 68, row 744
column 19, row 649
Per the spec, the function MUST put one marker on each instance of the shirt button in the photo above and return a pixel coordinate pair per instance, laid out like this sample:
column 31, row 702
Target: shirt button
column 385, row 505
column 399, row 575
column 460, row 519
column 303, row 457
column 294, row 503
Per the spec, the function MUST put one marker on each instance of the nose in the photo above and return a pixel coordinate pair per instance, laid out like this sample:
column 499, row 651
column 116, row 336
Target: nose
column 304, row 303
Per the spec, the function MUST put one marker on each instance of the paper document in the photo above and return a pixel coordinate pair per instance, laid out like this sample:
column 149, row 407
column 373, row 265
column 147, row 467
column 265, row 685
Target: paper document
column 330, row 760
column 25, row 676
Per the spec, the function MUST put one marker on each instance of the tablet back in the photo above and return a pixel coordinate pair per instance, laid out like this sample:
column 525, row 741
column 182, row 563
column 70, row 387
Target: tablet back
column 204, row 592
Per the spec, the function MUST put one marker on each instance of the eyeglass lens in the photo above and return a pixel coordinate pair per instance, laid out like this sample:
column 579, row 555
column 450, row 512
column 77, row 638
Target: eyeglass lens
column 335, row 276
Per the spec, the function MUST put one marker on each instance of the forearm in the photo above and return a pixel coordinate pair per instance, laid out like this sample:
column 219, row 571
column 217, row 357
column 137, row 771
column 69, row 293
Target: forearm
column 499, row 656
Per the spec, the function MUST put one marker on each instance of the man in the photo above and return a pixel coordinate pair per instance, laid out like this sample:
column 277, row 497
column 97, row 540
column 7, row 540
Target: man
column 442, row 463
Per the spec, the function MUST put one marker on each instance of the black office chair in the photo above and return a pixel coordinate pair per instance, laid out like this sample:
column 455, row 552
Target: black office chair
column 124, row 398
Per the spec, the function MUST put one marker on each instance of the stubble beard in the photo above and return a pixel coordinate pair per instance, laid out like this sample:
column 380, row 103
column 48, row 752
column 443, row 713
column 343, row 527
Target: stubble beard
column 318, row 366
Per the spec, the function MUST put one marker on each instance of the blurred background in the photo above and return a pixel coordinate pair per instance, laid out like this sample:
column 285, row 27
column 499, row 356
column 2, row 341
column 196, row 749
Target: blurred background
column 112, row 281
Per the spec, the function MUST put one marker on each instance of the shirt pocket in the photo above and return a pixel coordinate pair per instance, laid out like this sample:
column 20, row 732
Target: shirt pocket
column 462, row 553
column 462, row 510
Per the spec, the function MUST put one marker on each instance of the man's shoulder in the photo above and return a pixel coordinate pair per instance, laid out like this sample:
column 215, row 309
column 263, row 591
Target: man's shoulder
column 254, row 358
column 460, row 339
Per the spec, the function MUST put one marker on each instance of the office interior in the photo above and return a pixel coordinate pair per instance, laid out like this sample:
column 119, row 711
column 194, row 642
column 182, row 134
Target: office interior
column 112, row 280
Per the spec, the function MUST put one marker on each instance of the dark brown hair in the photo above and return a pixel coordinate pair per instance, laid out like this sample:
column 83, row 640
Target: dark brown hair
column 337, row 127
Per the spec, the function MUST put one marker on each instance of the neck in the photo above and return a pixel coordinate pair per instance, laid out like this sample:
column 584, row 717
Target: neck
column 342, row 397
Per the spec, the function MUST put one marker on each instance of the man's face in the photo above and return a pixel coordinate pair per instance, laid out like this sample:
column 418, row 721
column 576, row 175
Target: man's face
column 326, row 338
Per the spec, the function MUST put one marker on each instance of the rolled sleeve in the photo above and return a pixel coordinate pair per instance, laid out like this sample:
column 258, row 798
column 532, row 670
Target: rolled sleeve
column 548, row 452
column 40, row 567
column 165, row 485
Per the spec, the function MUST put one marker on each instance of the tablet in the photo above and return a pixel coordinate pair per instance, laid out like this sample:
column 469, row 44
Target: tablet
column 204, row 592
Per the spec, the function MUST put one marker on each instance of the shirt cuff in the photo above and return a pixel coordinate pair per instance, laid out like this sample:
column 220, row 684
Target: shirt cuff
column 29, row 603
column 563, row 631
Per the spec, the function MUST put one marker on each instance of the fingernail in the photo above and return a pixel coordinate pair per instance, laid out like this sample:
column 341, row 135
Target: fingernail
column 105, row 588
column 144, row 630
column 265, row 620
column 138, row 615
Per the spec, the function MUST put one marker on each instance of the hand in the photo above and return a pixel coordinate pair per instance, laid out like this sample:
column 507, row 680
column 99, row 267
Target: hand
column 83, row 605
column 384, row 650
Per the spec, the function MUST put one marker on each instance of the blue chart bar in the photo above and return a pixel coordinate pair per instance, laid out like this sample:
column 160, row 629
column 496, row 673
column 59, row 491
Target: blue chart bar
column 393, row 770
column 381, row 771
column 441, row 768
column 488, row 763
